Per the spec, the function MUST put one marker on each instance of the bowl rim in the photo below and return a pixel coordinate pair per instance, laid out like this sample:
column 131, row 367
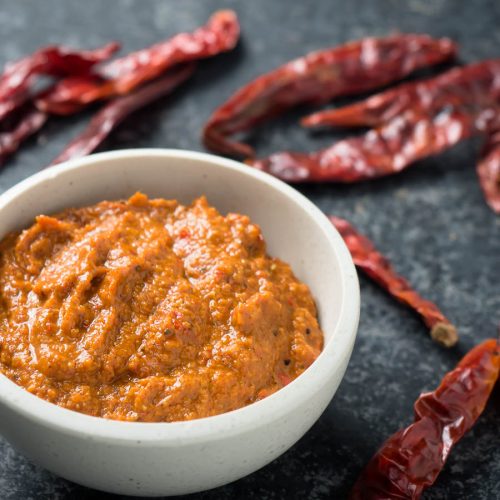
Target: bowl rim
column 255, row 415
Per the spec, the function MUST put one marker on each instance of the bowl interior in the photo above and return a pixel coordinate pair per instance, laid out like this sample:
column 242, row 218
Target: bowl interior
column 288, row 220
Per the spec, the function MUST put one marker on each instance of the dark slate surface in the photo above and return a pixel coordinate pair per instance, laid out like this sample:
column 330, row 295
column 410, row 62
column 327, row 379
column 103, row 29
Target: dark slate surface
column 431, row 220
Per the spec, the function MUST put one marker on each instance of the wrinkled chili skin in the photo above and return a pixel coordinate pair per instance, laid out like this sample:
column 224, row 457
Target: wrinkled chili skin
column 367, row 258
column 410, row 460
column 54, row 61
column 412, row 121
column 120, row 76
column 471, row 90
column 113, row 113
column 488, row 169
column 318, row 77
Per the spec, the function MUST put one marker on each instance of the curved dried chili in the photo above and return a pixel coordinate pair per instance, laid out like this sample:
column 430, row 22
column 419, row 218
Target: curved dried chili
column 367, row 258
column 122, row 75
column 111, row 115
column 410, row 460
column 20, row 119
column 412, row 122
column 317, row 78
column 51, row 61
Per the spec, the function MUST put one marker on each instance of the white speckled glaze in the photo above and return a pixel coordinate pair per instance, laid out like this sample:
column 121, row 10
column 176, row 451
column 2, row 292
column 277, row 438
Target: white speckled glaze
column 154, row 459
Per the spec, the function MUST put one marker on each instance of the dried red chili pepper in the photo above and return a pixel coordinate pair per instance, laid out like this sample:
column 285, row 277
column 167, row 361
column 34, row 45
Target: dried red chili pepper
column 488, row 170
column 367, row 258
column 413, row 121
column 109, row 117
column 29, row 121
column 122, row 75
column 317, row 78
column 19, row 117
column 410, row 460
column 472, row 90
column 52, row 61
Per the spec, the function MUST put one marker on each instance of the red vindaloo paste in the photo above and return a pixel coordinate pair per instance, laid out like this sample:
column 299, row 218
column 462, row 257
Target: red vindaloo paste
column 148, row 310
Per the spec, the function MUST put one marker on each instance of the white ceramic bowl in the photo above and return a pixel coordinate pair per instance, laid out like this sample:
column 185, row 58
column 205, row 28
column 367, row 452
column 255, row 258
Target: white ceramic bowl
column 174, row 458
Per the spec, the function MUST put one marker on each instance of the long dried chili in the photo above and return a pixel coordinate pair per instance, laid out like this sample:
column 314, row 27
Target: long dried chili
column 317, row 78
column 122, row 75
column 20, row 119
column 412, row 121
column 51, row 61
column 367, row 258
column 111, row 115
column 472, row 90
column 410, row 460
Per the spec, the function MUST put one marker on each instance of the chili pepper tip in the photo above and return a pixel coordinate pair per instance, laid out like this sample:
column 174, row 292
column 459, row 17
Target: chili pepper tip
column 444, row 334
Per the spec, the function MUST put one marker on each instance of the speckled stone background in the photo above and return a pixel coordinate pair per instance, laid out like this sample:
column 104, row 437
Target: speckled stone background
column 431, row 221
